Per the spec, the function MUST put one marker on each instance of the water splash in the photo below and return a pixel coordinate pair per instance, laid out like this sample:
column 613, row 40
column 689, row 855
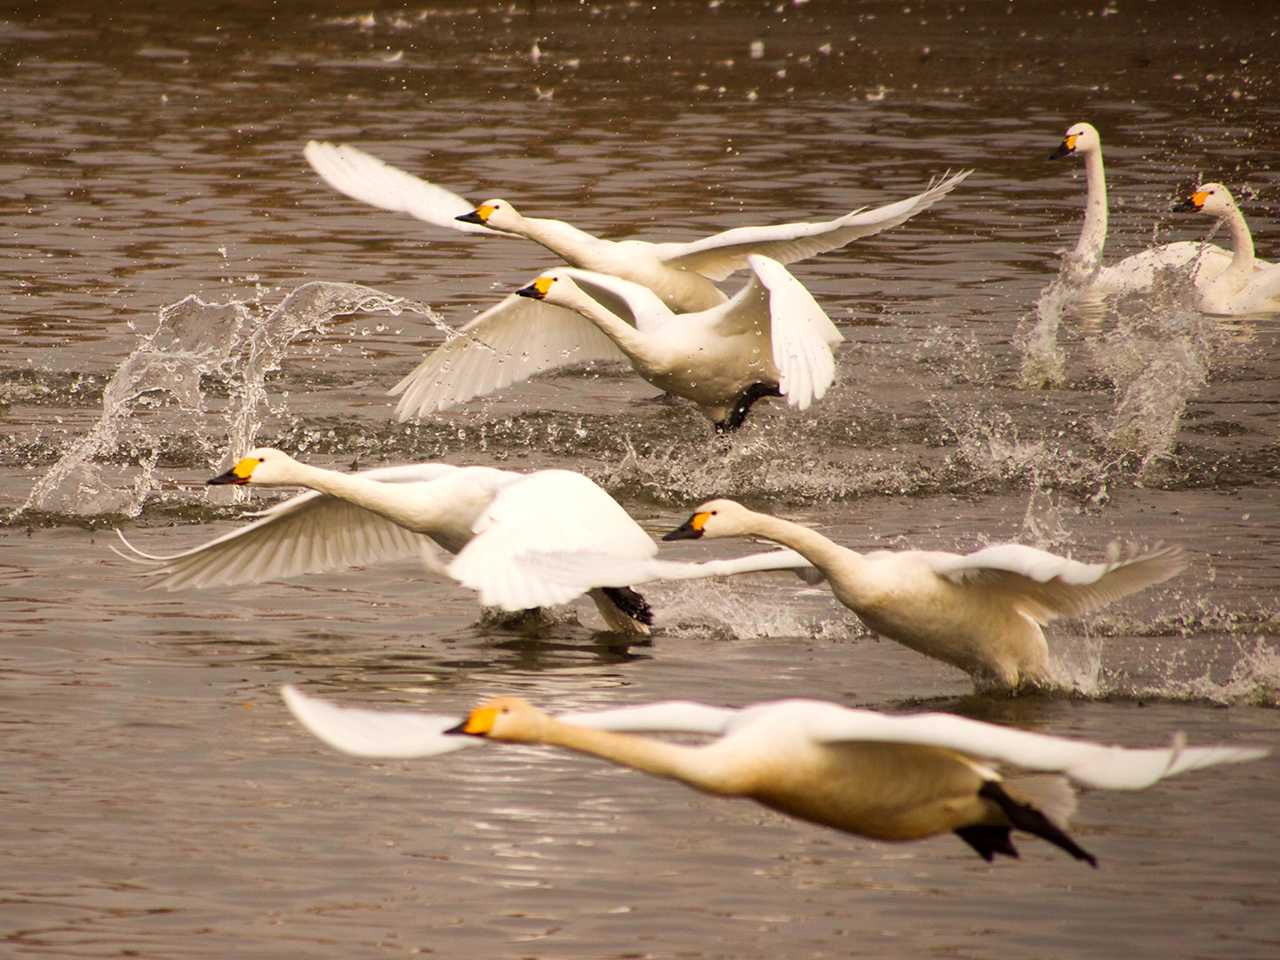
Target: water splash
column 160, row 390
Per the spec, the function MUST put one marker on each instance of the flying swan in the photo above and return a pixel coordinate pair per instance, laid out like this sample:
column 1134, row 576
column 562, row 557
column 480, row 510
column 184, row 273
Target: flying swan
column 1132, row 274
column 771, row 339
column 981, row 612
column 682, row 274
column 893, row 778
column 1247, row 284
column 490, row 518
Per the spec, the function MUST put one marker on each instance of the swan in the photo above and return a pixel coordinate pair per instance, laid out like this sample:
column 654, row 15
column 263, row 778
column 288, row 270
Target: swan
column 894, row 778
column 771, row 339
column 682, row 274
column 489, row 518
column 1247, row 285
column 1132, row 274
column 981, row 612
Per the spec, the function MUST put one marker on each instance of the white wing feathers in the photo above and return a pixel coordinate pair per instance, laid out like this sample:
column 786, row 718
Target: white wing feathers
column 375, row 733
column 801, row 333
column 309, row 533
column 366, row 178
column 1092, row 764
column 510, row 342
column 550, row 509
column 1058, row 585
column 719, row 255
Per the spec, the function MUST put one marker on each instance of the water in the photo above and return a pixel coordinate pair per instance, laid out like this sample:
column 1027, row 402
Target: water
column 182, row 286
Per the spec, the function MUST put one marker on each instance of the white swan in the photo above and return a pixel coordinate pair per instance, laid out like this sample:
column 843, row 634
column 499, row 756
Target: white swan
column 680, row 273
column 490, row 518
column 771, row 339
column 1247, row 284
column 1132, row 274
column 894, row 778
column 982, row 612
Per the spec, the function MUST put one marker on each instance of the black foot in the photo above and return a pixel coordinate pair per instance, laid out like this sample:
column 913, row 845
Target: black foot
column 1023, row 816
column 631, row 603
column 742, row 406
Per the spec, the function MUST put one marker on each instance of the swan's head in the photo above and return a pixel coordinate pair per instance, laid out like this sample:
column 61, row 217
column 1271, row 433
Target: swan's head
column 552, row 286
column 497, row 213
column 1212, row 199
column 1079, row 138
column 715, row 518
column 506, row 718
column 263, row 466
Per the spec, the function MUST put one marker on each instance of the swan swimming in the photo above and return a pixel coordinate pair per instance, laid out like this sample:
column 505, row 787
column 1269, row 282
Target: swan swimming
column 489, row 518
column 892, row 778
column 1132, row 274
column 771, row 339
column 980, row 612
column 682, row 274
column 1247, row 284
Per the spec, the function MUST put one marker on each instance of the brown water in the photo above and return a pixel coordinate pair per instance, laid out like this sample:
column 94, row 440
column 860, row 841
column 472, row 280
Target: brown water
column 158, row 801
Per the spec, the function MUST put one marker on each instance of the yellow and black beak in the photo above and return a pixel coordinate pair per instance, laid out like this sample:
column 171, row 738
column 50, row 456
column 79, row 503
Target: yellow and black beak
column 480, row 215
column 691, row 529
column 1191, row 204
column 478, row 723
column 1065, row 148
column 238, row 475
column 536, row 290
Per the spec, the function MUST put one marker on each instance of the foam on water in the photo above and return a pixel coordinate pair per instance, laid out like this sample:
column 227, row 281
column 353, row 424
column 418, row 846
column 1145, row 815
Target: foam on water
column 159, row 391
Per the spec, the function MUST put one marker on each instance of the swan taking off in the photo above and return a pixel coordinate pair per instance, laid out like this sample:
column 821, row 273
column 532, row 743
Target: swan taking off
column 682, row 274
column 894, row 778
column 490, row 518
column 1132, row 274
column 982, row 612
column 1247, row 284
column 771, row 339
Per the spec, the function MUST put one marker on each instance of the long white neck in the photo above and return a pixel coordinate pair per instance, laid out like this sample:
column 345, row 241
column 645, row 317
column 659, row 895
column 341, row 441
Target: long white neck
column 1093, row 235
column 630, row 341
column 821, row 551
column 1242, row 259
column 563, row 239
column 387, row 500
column 673, row 761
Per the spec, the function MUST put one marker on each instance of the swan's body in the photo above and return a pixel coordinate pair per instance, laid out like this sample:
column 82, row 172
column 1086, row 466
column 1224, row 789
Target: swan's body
column 982, row 612
column 1247, row 284
column 894, row 778
column 771, row 339
column 490, row 518
column 682, row 274
column 1132, row 274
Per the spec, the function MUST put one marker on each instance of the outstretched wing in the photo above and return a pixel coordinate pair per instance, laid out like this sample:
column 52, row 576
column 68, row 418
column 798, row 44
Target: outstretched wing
column 375, row 733
column 1054, row 586
column 364, row 177
column 551, row 510
column 510, row 342
column 309, row 533
column 719, row 255
column 1092, row 764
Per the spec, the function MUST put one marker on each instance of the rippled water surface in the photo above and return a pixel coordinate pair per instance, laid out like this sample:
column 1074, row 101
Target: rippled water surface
column 178, row 283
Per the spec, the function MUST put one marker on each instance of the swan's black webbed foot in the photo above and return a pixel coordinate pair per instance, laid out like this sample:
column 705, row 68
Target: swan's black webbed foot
column 742, row 406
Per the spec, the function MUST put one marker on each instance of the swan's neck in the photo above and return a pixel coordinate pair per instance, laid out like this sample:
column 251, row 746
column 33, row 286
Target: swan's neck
column 630, row 341
column 820, row 551
column 1242, row 258
column 1093, row 235
column 670, row 760
column 387, row 500
column 561, row 238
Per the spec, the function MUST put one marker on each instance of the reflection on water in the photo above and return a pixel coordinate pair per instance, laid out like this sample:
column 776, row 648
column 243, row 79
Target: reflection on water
column 161, row 801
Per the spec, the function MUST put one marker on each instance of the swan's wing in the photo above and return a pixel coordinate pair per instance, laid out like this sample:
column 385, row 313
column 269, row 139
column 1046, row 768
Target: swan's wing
column 555, row 510
column 575, row 573
column 309, row 533
column 375, row 733
column 1092, row 764
column 364, row 177
column 719, row 255
column 508, row 343
column 800, row 333
column 631, row 302
column 1056, row 586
